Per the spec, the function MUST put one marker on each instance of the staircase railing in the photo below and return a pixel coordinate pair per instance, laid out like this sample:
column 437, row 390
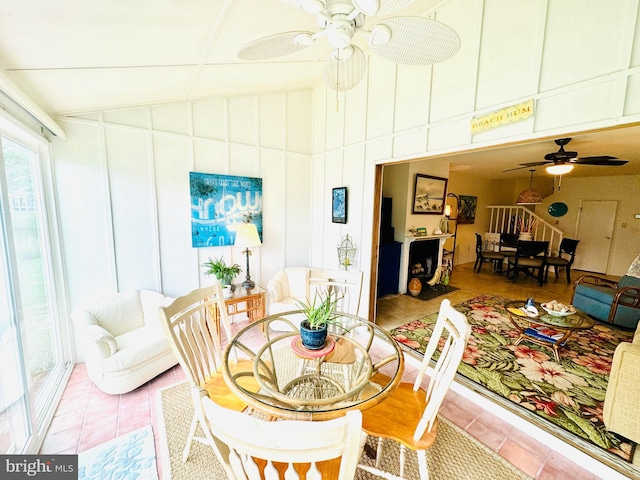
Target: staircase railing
column 504, row 219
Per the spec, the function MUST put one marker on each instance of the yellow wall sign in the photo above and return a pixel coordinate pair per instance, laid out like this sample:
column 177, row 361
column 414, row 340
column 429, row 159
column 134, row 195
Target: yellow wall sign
column 504, row 116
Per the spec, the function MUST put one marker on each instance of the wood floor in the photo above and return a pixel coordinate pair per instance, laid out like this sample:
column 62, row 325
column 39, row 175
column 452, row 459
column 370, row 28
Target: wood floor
column 395, row 310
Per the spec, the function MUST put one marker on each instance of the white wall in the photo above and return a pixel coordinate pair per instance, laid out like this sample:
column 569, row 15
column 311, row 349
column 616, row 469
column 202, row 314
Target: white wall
column 122, row 175
column 625, row 242
column 578, row 60
column 123, row 189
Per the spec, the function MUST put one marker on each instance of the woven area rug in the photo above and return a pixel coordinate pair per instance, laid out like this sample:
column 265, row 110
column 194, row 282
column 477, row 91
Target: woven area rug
column 129, row 457
column 569, row 394
column 454, row 456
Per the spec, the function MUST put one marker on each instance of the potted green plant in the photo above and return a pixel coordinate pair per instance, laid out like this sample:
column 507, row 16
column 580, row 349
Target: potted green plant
column 318, row 314
column 222, row 272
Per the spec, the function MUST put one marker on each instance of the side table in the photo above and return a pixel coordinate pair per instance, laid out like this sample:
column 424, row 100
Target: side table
column 255, row 300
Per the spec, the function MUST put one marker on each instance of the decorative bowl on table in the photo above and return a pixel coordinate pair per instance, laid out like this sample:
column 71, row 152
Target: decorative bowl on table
column 558, row 309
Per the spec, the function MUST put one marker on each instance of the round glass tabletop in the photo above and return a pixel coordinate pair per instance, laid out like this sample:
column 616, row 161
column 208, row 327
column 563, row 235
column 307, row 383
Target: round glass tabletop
column 266, row 367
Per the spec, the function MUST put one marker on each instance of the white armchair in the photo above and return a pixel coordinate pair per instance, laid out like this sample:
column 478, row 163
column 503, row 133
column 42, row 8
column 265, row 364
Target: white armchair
column 295, row 284
column 123, row 343
column 287, row 287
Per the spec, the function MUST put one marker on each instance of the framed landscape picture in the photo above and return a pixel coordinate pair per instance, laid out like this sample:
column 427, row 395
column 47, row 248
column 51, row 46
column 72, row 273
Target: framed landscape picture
column 339, row 205
column 429, row 194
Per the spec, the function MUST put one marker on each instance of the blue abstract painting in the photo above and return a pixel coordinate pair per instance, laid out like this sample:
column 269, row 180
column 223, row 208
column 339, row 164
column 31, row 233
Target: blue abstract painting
column 219, row 203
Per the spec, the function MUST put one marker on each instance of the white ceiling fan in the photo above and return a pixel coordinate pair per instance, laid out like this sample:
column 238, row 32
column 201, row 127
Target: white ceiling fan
column 408, row 40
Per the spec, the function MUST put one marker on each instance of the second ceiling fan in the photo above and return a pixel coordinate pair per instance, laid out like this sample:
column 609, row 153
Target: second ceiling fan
column 563, row 161
column 408, row 40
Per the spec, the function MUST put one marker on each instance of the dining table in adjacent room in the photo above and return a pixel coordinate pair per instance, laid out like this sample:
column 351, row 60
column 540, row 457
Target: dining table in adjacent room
column 268, row 367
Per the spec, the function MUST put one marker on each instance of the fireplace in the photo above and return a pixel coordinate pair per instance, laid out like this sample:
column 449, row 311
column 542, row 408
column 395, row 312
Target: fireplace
column 435, row 242
column 423, row 259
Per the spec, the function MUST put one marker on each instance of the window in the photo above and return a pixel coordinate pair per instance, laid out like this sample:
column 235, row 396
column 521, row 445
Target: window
column 32, row 353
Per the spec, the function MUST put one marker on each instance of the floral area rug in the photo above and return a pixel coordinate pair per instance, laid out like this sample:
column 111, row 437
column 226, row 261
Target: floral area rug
column 570, row 394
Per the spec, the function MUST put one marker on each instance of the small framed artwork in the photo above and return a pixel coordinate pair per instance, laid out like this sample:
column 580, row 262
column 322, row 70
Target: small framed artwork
column 339, row 205
column 429, row 194
column 467, row 210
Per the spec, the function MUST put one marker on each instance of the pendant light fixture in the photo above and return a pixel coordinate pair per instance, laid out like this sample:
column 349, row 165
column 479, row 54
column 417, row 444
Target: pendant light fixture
column 529, row 196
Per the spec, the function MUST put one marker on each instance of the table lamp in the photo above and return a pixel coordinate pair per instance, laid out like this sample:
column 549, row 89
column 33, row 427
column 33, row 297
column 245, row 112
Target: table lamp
column 247, row 237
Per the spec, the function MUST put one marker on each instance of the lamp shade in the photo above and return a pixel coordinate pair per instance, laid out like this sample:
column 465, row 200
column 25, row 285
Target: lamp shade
column 247, row 236
column 529, row 197
column 447, row 210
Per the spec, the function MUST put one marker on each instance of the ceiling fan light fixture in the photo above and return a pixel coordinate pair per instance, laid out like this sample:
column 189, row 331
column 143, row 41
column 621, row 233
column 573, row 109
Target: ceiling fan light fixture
column 304, row 39
column 312, row 6
column 368, row 7
column 560, row 169
column 343, row 54
column 379, row 36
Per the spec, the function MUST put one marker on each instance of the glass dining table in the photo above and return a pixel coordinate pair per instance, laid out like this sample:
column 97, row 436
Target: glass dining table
column 266, row 365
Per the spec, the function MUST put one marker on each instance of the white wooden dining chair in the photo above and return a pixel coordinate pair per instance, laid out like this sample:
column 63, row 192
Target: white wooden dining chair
column 193, row 324
column 346, row 288
column 392, row 418
column 251, row 448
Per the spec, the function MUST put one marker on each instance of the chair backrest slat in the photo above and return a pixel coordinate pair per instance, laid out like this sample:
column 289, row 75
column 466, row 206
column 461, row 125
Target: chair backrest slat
column 532, row 248
column 451, row 333
column 193, row 324
column 568, row 246
column 289, row 442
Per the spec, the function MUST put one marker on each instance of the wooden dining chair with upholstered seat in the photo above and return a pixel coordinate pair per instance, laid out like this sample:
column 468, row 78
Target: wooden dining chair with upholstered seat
column 496, row 258
column 251, row 448
column 530, row 258
column 448, row 341
column 193, row 325
column 565, row 258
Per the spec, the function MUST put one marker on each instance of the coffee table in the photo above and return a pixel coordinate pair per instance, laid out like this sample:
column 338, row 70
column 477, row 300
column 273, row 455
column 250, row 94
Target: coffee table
column 545, row 329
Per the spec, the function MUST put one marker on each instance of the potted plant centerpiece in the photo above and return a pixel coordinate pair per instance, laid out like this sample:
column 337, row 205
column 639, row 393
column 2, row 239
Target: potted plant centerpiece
column 318, row 315
column 222, row 272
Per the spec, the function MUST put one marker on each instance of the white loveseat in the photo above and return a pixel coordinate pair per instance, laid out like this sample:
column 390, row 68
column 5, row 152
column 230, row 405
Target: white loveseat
column 123, row 343
column 301, row 284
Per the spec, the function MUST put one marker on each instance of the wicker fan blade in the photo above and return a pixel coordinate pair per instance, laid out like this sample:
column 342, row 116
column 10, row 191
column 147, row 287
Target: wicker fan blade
column 527, row 165
column 344, row 68
column 391, row 6
column 601, row 160
column 272, row 46
column 418, row 41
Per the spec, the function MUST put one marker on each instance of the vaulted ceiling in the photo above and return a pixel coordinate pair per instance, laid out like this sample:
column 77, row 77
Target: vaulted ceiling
column 74, row 57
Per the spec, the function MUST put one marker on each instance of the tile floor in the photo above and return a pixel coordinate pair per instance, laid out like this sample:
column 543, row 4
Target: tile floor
column 87, row 417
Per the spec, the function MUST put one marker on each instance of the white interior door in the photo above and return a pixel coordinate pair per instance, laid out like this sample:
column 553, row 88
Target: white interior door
column 594, row 230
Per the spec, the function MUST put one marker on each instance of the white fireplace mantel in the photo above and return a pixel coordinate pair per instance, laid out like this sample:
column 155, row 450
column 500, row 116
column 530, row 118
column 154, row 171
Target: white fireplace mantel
column 404, row 262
